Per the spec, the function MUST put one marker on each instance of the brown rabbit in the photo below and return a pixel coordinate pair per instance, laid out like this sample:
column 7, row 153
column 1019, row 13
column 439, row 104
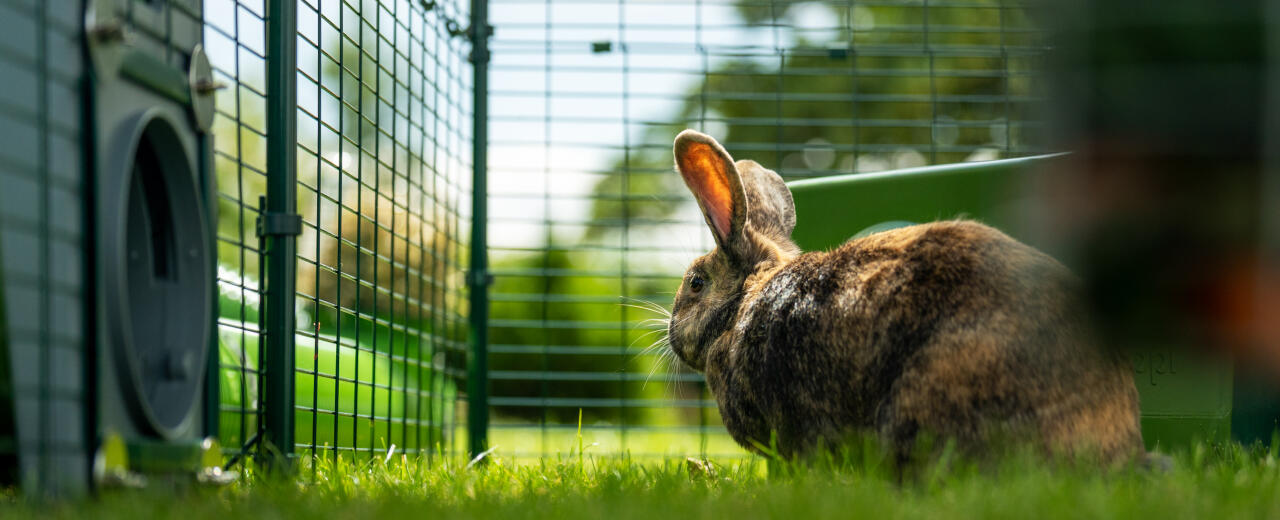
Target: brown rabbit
column 950, row 329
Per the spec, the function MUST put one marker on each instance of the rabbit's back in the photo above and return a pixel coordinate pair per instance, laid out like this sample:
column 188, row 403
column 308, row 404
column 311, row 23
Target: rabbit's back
column 951, row 328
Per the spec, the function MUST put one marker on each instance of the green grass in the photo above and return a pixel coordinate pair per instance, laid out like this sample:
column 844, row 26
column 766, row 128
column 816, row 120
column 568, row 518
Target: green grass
column 1205, row 482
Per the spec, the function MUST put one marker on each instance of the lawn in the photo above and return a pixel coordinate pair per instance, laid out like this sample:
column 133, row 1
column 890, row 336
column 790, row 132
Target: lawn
column 586, row 479
column 1205, row 482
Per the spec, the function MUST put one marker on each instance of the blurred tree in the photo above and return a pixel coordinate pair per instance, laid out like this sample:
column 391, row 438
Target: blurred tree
column 895, row 86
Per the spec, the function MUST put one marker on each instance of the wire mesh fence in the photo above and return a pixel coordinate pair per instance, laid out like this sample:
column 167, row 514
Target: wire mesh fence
column 383, row 167
column 588, row 225
column 346, row 134
column 235, row 34
column 590, row 230
column 384, row 104
column 344, row 150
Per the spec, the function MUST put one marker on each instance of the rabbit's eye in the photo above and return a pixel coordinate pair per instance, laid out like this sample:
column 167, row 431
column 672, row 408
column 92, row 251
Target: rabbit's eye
column 696, row 284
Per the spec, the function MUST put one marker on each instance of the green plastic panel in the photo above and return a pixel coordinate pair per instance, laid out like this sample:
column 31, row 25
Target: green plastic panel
column 1183, row 396
column 829, row 210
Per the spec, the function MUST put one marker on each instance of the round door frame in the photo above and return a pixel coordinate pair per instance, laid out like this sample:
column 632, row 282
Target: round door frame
column 176, row 163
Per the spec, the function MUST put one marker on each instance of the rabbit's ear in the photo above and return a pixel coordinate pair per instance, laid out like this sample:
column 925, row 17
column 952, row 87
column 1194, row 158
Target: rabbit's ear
column 709, row 173
column 772, row 210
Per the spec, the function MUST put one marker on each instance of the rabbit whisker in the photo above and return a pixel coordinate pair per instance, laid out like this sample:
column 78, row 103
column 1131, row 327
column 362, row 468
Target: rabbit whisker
column 661, row 342
column 653, row 309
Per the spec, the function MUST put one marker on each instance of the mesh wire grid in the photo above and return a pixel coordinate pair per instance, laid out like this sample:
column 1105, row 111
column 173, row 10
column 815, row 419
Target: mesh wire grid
column 383, row 125
column 588, row 222
column 234, row 35
column 586, row 216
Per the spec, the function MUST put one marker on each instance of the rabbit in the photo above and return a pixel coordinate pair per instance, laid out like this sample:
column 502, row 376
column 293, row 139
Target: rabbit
column 948, row 330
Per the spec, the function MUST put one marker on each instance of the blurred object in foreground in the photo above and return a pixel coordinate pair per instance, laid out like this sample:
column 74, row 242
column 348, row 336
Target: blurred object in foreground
column 1161, row 207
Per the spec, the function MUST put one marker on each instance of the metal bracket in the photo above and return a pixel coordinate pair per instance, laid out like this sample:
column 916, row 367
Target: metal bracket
column 106, row 36
column 479, row 42
column 203, row 86
column 479, row 279
column 455, row 29
column 279, row 224
column 272, row 224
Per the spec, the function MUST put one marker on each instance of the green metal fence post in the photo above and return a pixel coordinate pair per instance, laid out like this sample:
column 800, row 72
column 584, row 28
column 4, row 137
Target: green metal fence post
column 478, row 277
column 280, row 224
column 212, row 388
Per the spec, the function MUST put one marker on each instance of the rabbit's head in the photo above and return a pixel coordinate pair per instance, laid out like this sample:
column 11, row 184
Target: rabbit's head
column 750, row 213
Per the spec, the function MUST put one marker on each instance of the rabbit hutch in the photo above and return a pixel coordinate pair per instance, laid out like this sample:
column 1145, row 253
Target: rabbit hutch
column 108, row 239
column 292, row 229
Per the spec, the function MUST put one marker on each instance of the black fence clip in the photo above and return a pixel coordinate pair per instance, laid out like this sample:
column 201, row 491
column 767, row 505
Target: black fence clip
column 479, row 279
column 279, row 224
